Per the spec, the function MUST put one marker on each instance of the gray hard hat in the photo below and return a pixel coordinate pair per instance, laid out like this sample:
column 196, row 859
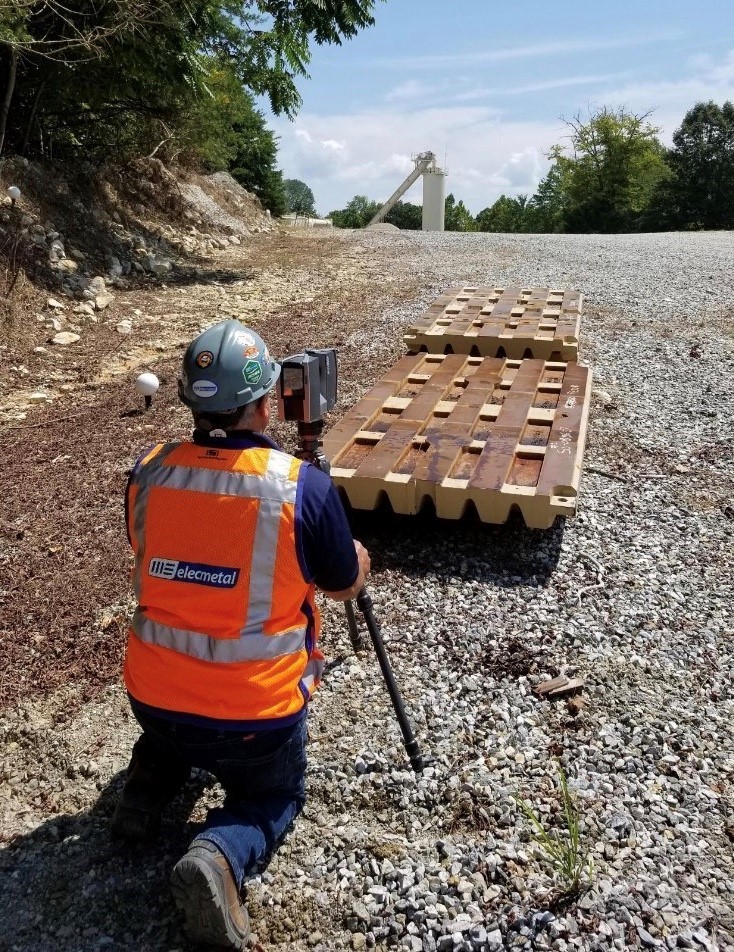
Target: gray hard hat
column 226, row 367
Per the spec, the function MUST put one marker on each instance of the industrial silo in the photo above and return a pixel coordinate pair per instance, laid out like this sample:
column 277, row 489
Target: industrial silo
column 434, row 200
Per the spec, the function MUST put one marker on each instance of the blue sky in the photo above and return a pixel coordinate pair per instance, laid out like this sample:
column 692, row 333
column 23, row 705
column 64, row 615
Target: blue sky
column 484, row 84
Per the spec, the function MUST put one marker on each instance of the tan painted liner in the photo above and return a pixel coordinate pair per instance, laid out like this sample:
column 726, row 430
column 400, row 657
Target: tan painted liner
column 487, row 321
column 455, row 429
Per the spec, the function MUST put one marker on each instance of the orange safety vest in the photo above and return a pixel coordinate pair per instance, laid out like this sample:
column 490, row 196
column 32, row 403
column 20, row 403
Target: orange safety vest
column 226, row 624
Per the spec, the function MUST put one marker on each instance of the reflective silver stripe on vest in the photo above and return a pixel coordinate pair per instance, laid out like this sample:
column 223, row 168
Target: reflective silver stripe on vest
column 272, row 491
column 201, row 479
column 312, row 674
column 221, row 650
column 141, row 501
column 264, row 549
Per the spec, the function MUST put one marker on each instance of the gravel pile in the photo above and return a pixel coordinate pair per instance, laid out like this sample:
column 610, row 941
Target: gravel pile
column 634, row 595
column 248, row 218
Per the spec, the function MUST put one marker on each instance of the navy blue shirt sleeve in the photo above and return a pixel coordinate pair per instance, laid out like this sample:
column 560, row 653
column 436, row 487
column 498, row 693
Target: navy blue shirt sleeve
column 326, row 539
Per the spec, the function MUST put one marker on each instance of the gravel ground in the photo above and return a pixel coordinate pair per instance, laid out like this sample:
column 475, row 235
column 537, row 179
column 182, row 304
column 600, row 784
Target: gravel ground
column 634, row 594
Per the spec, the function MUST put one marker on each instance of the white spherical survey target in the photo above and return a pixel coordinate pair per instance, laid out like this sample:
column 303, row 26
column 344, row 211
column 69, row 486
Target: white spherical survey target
column 147, row 384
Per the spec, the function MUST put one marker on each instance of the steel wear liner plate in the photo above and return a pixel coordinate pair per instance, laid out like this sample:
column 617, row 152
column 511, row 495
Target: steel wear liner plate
column 458, row 430
column 487, row 321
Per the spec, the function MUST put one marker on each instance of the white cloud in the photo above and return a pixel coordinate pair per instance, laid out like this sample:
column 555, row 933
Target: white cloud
column 410, row 89
column 563, row 82
column 328, row 145
column 488, row 151
column 530, row 50
column 332, row 145
column 723, row 72
column 485, row 156
column 484, row 92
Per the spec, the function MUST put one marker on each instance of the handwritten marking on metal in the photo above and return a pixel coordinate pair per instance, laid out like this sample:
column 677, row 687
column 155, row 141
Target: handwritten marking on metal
column 565, row 441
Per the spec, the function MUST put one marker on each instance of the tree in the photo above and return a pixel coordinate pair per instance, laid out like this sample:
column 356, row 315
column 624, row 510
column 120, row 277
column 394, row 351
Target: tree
column 700, row 193
column 615, row 165
column 269, row 39
column 38, row 33
column 225, row 132
column 357, row 214
column 299, row 197
column 457, row 216
column 506, row 215
column 361, row 210
column 405, row 215
column 546, row 210
column 144, row 59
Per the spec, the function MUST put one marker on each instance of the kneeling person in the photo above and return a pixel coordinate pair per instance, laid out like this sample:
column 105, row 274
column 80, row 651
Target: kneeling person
column 232, row 537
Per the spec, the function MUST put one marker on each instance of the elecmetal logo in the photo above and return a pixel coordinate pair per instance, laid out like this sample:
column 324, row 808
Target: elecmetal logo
column 204, row 388
column 197, row 573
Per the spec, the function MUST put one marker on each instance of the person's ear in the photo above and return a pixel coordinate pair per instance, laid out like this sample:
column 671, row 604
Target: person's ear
column 263, row 407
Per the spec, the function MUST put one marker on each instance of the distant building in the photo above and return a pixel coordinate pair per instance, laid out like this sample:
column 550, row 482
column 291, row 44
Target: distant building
column 294, row 220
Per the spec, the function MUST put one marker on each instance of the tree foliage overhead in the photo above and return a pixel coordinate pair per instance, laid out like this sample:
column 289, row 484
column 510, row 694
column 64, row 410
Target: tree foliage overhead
column 135, row 66
column 269, row 40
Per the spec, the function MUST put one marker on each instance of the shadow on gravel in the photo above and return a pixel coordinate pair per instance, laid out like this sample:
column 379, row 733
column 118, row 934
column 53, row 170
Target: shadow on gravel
column 68, row 886
column 506, row 555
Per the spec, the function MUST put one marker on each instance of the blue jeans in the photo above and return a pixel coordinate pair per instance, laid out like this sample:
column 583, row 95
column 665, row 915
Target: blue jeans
column 262, row 773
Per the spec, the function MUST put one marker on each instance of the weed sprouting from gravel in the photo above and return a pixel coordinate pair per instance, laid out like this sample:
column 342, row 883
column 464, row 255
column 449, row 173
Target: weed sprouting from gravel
column 563, row 850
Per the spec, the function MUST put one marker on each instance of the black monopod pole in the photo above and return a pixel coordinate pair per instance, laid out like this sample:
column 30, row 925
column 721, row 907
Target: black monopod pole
column 364, row 603
column 355, row 635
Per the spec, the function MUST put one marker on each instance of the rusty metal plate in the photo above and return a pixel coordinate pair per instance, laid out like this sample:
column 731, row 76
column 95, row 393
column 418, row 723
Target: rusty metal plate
column 490, row 432
column 487, row 321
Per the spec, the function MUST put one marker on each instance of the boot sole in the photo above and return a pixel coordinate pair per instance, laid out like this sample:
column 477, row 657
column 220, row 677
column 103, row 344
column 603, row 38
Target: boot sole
column 200, row 899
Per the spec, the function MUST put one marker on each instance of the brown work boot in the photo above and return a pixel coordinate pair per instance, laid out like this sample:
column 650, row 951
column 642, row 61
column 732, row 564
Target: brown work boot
column 206, row 893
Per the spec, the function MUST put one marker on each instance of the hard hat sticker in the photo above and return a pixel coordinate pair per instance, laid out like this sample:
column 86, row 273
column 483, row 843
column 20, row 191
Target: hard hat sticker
column 204, row 388
column 251, row 352
column 204, row 359
column 243, row 339
column 252, row 371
